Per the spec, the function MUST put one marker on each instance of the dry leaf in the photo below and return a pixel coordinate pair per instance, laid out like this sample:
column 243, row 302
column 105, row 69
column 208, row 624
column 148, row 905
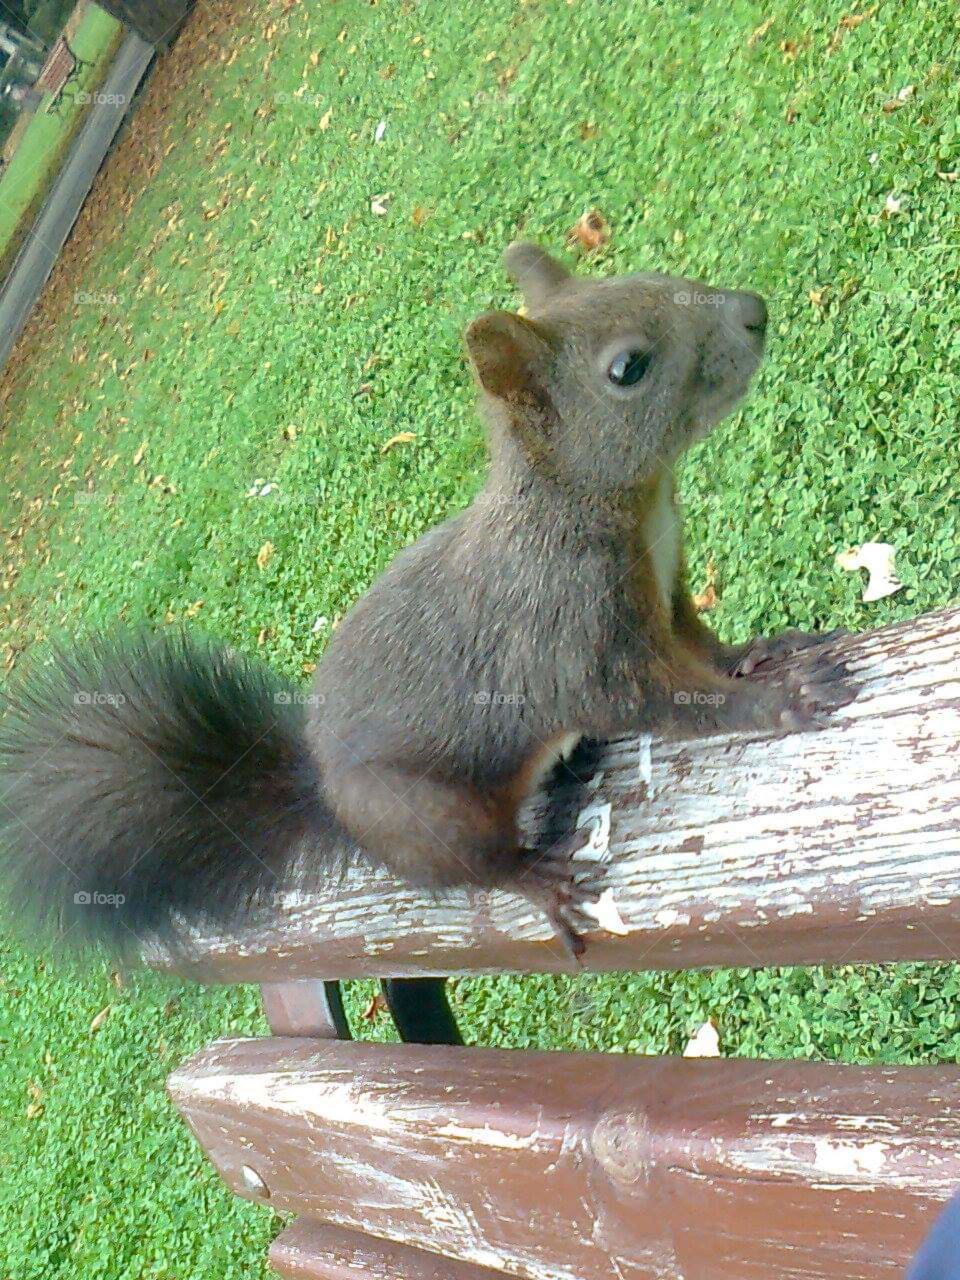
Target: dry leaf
column 420, row 215
column 192, row 610
column 138, row 456
column 878, row 558
column 378, row 204
column 759, row 32
column 707, row 599
column 264, row 555
column 324, row 123
column 375, row 1005
column 100, row 1019
column 590, row 232
column 402, row 437
column 904, row 96
column 705, row 1044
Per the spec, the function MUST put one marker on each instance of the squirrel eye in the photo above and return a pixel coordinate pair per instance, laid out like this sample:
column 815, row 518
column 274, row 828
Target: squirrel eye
column 627, row 368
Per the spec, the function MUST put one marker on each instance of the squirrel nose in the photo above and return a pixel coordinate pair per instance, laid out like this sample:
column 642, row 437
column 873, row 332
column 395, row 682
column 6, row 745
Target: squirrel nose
column 753, row 313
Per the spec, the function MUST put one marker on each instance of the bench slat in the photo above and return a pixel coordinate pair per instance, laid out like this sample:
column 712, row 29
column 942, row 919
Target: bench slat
column 833, row 847
column 587, row 1166
column 314, row 1251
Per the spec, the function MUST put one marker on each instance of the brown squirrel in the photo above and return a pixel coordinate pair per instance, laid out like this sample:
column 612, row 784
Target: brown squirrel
column 147, row 782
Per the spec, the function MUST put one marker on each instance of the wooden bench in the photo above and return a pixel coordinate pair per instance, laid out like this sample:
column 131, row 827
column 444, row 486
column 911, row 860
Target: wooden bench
column 59, row 73
column 442, row 1162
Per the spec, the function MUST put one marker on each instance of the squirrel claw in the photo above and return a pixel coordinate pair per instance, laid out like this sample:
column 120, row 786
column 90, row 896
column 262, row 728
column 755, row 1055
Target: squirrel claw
column 773, row 649
column 549, row 881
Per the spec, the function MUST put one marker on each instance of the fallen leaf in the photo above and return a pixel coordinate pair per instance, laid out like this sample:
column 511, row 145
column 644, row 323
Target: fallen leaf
column 138, row 456
column 264, row 555
column 378, row 204
column 705, row 1043
column 878, row 558
column 707, row 599
column 100, row 1019
column 817, row 298
column 375, row 1005
column 949, row 176
column 192, row 610
column 759, row 32
column 380, row 130
column 904, row 96
column 324, row 122
column 420, row 215
column 892, row 205
column 402, row 437
column 590, row 232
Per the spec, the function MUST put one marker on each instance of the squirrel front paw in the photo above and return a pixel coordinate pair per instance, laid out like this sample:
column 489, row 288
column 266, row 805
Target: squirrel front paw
column 808, row 697
column 743, row 660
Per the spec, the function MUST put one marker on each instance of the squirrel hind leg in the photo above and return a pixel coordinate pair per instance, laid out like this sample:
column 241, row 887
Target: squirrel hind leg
column 429, row 831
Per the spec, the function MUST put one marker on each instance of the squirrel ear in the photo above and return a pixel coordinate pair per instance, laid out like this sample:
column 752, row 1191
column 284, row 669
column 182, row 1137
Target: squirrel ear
column 537, row 274
column 507, row 352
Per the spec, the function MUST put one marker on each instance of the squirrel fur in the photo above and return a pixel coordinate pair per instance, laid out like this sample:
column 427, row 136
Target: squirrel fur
column 147, row 782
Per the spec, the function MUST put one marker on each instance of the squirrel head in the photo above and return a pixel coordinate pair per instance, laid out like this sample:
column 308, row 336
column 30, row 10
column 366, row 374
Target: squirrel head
column 602, row 383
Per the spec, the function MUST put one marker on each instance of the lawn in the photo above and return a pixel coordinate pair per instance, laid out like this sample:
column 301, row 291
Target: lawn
column 27, row 176
column 237, row 311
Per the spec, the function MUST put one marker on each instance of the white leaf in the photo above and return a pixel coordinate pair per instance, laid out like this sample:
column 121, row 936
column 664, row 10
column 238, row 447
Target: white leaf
column 705, row 1044
column 878, row 560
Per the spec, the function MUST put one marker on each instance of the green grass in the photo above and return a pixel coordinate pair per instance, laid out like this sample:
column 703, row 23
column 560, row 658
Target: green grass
column 209, row 359
column 36, row 160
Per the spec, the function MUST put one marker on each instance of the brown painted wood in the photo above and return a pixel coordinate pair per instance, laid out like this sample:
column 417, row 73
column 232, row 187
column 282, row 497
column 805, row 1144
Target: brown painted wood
column 314, row 1251
column 305, row 1008
column 588, row 1166
column 836, row 846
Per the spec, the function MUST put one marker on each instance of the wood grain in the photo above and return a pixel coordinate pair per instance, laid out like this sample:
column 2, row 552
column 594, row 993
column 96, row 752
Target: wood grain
column 834, row 846
column 550, row 1166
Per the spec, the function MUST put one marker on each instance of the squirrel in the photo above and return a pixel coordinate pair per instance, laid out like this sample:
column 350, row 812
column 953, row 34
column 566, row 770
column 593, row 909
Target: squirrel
column 147, row 782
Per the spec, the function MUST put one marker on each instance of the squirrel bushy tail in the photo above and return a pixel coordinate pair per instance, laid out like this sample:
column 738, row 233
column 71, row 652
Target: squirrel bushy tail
column 151, row 782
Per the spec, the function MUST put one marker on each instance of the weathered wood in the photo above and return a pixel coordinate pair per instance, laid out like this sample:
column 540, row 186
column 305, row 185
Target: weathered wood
column 314, row 1251
column 839, row 845
column 305, row 1008
column 588, row 1166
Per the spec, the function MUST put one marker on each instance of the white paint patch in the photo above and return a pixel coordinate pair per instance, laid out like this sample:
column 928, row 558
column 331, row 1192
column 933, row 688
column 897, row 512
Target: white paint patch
column 850, row 1159
column 597, row 848
column 645, row 759
column 486, row 1137
column 606, row 913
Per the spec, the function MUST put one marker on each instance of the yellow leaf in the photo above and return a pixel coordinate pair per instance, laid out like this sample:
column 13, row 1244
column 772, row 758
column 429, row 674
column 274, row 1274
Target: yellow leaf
column 402, row 437
column 325, row 120
column 264, row 555
column 100, row 1019
column 138, row 456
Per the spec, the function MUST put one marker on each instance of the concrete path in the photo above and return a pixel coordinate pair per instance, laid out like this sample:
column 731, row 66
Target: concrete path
column 70, row 188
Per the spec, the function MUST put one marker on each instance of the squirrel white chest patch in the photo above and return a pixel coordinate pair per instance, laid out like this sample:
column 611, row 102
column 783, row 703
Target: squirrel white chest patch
column 661, row 532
